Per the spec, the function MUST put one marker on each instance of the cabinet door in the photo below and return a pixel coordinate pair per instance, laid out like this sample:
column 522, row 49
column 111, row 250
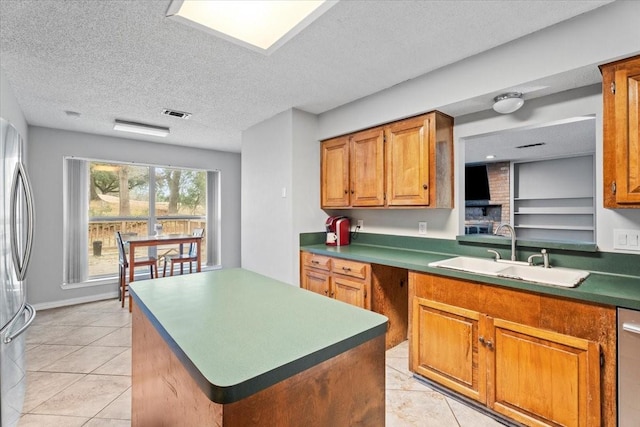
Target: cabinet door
column 315, row 281
column 621, row 142
column 367, row 168
column 352, row 292
column 334, row 179
column 408, row 162
column 444, row 347
column 627, row 105
column 543, row 378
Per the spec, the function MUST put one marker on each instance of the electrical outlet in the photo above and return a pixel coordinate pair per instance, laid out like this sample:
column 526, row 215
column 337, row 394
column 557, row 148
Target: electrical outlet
column 626, row 239
column 360, row 224
column 422, row 227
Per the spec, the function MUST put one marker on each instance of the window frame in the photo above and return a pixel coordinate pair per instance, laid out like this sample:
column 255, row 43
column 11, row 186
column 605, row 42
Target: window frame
column 211, row 217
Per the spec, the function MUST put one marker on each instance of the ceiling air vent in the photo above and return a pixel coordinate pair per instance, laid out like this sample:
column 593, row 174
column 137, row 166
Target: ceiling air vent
column 532, row 145
column 174, row 113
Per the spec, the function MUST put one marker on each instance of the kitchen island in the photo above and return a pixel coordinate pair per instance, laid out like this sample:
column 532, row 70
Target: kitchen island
column 235, row 348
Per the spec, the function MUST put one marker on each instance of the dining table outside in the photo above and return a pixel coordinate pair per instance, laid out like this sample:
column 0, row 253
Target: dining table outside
column 134, row 241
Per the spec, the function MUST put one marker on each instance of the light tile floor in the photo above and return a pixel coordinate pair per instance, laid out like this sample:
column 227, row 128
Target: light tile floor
column 79, row 374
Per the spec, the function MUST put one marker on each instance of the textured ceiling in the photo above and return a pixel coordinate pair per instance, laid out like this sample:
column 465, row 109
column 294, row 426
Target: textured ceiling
column 560, row 139
column 124, row 59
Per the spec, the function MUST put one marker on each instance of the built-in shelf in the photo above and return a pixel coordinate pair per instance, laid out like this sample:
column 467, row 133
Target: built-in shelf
column 556, row 227
column 587, row 210
column 555, row 199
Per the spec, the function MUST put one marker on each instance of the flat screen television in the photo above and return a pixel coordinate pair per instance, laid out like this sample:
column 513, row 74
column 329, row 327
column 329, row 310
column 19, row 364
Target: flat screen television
column 476, row 185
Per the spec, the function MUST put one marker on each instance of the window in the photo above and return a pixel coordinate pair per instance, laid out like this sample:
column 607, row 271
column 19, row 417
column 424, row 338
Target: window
column 104, row 197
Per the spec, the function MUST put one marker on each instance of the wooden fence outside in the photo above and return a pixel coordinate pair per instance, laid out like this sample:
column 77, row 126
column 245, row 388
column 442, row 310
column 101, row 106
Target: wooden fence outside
column 104, row 231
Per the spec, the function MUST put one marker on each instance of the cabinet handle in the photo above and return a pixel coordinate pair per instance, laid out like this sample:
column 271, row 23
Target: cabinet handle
column 313, row 261
column 326, row 292
column 346, row 268
column 630, row 327
column 425, row 186
column 332, row 294
column 346, row 192
column 486, row 343
column 352, row 191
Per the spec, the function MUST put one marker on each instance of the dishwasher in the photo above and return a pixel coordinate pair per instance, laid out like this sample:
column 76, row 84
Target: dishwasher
column 628, row 368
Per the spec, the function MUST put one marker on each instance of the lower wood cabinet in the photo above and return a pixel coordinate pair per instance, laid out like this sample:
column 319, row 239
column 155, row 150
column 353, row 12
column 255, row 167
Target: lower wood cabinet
column 444, row 347
column 543, row 378
column 344, row 280
column 374, row 287
column 532, row 358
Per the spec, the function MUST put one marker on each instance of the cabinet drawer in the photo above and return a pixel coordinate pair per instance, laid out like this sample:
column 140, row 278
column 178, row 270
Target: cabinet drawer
column 350, row 268
column 316, row 261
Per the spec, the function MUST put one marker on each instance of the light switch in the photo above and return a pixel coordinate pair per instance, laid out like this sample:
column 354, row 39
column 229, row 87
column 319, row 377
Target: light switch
column 622, row 239
column 628, row 240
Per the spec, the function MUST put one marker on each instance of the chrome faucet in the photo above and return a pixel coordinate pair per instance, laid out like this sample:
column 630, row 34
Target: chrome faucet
column 513, row 238
column 545, row 258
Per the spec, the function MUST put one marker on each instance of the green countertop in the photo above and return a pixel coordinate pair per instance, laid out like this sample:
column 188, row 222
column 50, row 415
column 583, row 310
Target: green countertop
column 238, row 332
column 602, row 288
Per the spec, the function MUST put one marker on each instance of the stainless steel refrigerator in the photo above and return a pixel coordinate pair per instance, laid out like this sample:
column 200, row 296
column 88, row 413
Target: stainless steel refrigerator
column 16, row 240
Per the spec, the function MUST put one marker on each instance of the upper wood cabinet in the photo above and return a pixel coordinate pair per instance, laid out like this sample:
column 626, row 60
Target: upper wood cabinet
column 401, row 164
column 621, row 122
column 367, row 168
column 352, row 172
column 335, row 173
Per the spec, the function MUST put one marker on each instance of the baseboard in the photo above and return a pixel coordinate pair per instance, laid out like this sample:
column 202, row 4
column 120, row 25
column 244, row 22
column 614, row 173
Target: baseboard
column 75, row 301
column 468, row 402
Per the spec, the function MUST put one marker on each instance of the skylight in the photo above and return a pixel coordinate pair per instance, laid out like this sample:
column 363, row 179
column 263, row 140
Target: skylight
column 260, row 25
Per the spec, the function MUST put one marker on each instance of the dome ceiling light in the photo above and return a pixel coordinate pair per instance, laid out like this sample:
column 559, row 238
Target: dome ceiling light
column 508, row 102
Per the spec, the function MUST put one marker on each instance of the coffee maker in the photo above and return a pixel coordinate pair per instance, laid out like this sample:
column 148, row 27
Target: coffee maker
column 338, row 231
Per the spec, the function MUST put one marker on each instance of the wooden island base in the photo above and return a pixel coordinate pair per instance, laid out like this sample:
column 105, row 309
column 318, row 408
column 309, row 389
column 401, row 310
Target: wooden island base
column 348, row 389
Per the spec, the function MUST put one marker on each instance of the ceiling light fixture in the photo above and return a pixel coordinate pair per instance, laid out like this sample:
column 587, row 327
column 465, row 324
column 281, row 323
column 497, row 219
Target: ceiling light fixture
column 141, row 128
column 262, row 26
column 508, row 102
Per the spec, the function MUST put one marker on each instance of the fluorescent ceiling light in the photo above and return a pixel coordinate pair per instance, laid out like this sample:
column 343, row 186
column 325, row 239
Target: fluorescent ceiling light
column 260, row 25
column 141, row 128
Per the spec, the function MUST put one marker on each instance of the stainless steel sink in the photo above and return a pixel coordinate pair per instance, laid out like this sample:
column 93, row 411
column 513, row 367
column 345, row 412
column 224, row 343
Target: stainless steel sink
column 556, row 276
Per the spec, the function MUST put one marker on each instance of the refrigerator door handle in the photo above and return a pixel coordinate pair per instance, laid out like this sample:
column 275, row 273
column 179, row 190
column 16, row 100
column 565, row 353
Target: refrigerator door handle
column 32, row 315
column 21, row 263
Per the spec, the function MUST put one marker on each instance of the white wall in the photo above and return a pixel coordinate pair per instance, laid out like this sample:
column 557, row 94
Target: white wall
column 307, row 215
column 10, row 109
column 606, row 34
column 578, row 102
column 266, row 215
column 281, row 153
column 442, row 223
column 48, row 147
